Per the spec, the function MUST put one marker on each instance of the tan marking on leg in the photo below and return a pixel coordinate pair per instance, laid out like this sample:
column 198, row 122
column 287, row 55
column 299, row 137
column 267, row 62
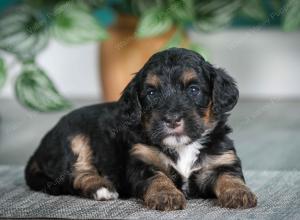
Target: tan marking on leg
column 86, row 176
column 159, row 182
column 151, row 156
column 152, row 80
column 213, row 161
column 163, row 195
column 226, row 182
column 78, row 143
column 232, row 192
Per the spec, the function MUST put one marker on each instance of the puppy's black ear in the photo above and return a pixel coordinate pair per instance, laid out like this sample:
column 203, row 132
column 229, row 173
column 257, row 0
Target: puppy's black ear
column 225, row 93
column 130, row 104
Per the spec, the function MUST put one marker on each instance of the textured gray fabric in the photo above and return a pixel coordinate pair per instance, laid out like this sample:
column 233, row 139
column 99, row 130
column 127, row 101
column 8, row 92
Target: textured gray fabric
column 278, row 195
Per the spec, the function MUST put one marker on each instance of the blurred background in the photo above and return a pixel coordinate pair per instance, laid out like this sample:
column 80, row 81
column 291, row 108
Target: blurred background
column 57, row 55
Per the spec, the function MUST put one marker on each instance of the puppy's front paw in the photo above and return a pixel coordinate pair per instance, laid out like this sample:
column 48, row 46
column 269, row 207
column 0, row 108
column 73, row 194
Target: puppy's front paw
column 166, row 200
column 237, row 198
column 105, row 194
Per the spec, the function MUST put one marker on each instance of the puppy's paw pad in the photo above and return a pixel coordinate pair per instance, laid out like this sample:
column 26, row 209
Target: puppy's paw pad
column 104, row 194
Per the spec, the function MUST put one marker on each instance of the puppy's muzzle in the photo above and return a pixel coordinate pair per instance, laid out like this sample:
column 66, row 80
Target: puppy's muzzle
column 174, row 123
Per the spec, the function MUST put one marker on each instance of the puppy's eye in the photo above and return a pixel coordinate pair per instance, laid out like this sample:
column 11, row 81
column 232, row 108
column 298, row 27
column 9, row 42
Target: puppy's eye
column 193, row 90
column 151, row 92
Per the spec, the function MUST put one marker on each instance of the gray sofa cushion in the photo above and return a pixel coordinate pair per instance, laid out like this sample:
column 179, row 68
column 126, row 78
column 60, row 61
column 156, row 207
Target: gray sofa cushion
column 278, row 195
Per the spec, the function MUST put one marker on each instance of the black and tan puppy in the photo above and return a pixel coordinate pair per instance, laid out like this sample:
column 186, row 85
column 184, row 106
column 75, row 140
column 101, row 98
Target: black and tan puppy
column 164, row 141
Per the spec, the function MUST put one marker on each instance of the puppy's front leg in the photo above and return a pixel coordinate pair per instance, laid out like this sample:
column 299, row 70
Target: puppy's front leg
column 221, row 175
column 149, row 182
column 232, row 192
column 162, row 194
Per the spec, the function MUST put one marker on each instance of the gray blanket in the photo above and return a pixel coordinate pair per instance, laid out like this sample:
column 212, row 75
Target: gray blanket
column 278, row 194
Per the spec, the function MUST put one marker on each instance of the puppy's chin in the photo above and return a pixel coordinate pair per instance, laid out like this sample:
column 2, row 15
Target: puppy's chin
column 173, row 141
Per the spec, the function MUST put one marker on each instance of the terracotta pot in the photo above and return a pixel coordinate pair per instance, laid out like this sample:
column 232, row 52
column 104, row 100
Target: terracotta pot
column 123, row 54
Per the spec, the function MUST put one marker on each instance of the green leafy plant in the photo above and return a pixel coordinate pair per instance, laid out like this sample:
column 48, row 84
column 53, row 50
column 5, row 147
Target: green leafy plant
column 2, row 73
column 75, row 25
column 153, row 23
column 27, row 26
column 292, row 19
column 25, row 32
column 35, row 90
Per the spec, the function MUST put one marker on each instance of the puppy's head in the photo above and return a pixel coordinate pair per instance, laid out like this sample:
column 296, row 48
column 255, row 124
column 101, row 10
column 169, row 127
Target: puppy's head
column 178, row 97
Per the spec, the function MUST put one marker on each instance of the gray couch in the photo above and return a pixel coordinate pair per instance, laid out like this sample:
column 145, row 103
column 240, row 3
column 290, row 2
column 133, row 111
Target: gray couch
column 278, row 194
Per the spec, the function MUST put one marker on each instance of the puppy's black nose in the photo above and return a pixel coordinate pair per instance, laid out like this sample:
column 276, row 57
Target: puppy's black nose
column 173, row 121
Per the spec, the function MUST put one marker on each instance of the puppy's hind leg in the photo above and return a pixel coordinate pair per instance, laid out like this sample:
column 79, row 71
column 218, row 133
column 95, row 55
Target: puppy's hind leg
column 86, row 179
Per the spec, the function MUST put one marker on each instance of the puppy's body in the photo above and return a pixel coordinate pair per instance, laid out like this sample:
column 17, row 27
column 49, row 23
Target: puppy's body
column 53, row 162
column 164, row 141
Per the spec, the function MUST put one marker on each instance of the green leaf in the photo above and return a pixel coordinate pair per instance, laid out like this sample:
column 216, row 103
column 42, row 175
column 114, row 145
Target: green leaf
column 213, row 14
column 182, row 10
column 139, row 8
column 254, row 9
column 3, row 73
column 73, row 24
column 154, row 22
column 174, row 41
column 23, row 33
column 291, row 20
column 276, row 4
column 36, row 91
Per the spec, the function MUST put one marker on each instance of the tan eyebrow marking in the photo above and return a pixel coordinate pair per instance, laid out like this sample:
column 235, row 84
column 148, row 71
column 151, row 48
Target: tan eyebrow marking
column 188, row 76
column 152, row 80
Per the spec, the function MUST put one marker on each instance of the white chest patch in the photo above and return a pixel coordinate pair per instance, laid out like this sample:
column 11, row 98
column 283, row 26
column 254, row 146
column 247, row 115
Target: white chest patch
column 188, row 154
